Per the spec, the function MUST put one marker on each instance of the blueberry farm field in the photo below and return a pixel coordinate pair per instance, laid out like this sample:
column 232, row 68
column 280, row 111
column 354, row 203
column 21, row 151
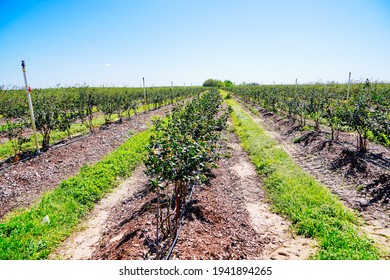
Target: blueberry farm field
column 245, row 172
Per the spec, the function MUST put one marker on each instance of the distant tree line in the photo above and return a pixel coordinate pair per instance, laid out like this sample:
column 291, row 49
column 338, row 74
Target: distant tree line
column 218, row 83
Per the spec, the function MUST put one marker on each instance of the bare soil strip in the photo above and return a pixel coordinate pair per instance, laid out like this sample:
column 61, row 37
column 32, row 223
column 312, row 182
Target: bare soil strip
column 227, row 219
column 23, row 183
column 346, row 175
column 82, row 243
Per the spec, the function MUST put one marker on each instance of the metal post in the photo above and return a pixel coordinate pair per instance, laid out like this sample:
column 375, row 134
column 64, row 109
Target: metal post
column 349, row 85
column 28, row 90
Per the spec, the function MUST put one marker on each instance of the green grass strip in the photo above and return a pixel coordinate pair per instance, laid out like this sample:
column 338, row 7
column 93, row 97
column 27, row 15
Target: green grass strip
column 313, row 210
column 24, row 235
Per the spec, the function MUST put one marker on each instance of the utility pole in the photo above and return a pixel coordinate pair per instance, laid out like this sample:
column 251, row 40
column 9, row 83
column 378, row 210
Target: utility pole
column 28, row 90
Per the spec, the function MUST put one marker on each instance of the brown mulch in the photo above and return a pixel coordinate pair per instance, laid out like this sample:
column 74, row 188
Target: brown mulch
column 24, row 182
column 216, row 226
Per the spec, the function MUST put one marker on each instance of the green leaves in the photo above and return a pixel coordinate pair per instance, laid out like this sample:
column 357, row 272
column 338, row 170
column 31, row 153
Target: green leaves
column 367, row 110
column 182, row 151
column 58, row 109
column 47, row 116
column 178, row 147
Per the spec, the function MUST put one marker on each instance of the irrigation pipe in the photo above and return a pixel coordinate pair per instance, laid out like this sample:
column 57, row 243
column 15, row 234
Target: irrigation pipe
column 180, row 225
column 51, row 147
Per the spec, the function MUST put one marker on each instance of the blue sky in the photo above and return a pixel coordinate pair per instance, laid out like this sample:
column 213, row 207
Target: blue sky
column 117, row 42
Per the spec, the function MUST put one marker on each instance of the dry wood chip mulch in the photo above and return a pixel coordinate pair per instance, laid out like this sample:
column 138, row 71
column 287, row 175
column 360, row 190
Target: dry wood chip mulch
column 218, row 228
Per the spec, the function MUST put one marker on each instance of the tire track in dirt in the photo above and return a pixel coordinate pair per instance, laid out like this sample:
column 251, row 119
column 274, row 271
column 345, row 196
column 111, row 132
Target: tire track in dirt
column 82, row 243
column 375, row 220
column 284, row 244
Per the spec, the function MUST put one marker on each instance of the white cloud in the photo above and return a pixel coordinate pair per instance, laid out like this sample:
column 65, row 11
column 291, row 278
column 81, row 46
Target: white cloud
column 107, row 64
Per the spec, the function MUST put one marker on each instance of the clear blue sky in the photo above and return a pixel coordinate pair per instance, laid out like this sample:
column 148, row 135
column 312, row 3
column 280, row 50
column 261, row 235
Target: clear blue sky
column 117, row 42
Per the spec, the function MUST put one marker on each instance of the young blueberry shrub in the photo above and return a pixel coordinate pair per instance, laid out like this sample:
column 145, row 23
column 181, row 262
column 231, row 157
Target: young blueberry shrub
column 182, row 152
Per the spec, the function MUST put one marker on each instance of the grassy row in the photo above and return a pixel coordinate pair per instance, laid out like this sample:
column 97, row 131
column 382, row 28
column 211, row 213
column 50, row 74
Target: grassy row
column 313, row 210
column 24, row 235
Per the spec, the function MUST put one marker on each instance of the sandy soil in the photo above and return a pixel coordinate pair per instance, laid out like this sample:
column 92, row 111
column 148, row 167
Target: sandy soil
column 266, row 223
column 83, row 242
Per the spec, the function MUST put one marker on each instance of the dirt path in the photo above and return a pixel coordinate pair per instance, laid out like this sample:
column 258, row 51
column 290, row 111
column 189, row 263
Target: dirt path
column 82, row 243
column 227, row 219
column 24, row 182
column 317, row 158
column 269, row 225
